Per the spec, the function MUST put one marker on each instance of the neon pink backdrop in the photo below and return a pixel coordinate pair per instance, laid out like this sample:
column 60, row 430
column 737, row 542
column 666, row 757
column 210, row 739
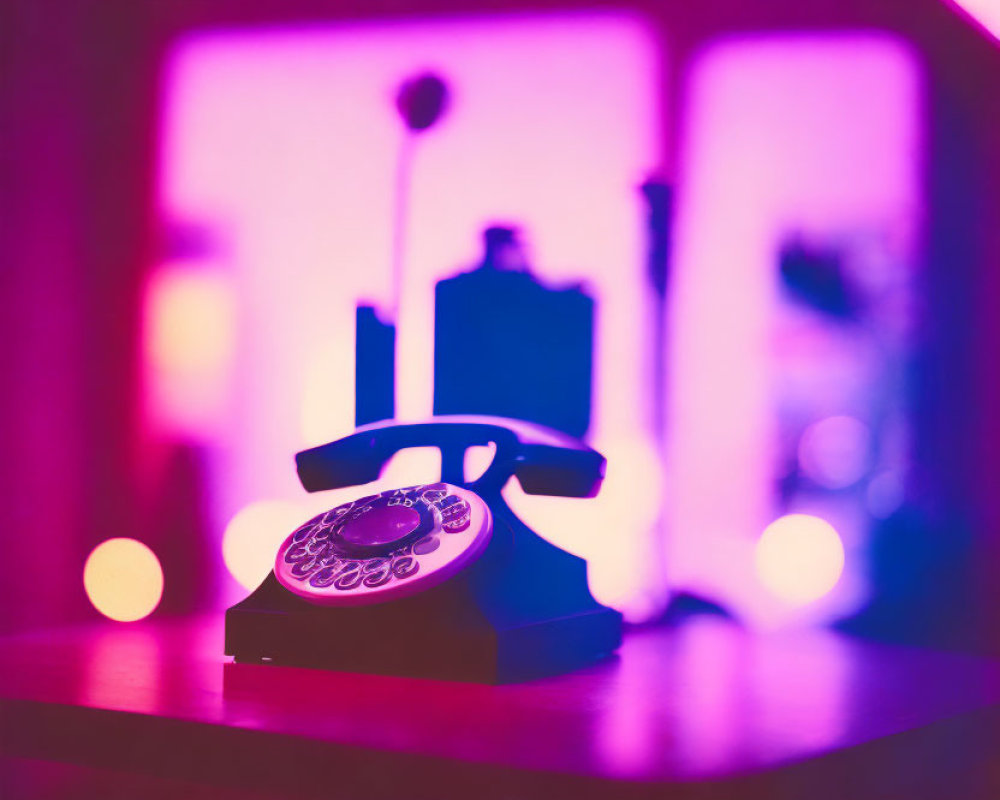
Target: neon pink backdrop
column 281, row 146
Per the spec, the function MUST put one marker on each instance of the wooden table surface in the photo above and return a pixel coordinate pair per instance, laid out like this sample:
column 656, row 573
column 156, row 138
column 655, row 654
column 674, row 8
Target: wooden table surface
column 704, row 709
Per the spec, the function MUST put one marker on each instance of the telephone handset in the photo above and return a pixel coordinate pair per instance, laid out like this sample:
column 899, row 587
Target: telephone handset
column 438, row 579
column 544, row 461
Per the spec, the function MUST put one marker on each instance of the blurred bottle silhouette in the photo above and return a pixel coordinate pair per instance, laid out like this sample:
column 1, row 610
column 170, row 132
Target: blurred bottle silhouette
column 374, row 367
column 507, row 345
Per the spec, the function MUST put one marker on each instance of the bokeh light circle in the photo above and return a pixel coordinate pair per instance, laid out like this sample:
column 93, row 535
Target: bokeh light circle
column 799, row 558
column 835, row 452
column 885, row 494
column 253, row 535
column 123, row 579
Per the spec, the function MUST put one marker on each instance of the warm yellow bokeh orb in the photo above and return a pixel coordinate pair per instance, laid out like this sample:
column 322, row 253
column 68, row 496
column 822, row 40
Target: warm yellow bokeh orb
column 123, row 579
column 799, row 558
column 253, row 535
column 190, row 342
column 191, row 320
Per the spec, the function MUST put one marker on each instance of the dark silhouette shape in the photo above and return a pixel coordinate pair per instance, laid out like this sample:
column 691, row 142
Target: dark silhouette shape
column 504, row 344
column 659, row 206
column 374, row 367
column 660, row 202
column 921, row 593
column 422, row 100
column 177, row 529
column 816, row 277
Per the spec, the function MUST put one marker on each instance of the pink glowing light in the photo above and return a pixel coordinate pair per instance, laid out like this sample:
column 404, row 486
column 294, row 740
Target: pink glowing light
column 814, row 134
column 986, row 13
column 284, row 144
column 123, row 669
column 739, row 695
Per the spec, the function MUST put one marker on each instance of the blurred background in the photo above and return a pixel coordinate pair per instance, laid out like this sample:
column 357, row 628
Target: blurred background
column 747, row 250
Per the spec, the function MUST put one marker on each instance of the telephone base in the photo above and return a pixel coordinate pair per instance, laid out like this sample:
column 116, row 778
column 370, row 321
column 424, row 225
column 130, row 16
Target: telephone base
column 503, row 620
column 417, row 637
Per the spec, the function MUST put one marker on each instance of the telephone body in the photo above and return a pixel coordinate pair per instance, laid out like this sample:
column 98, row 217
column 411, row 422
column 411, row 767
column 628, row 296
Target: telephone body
column 440, row 580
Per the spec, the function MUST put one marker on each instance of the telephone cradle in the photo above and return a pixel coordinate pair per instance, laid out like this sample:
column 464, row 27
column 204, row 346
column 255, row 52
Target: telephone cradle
column 440, row 580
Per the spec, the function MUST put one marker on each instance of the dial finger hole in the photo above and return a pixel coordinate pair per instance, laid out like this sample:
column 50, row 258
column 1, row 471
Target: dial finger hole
column 426, row 545
column 334, row 514
column 327, row 557
column 435, row 492
column 302, row 532
column 294, row 554
column 323, row 533
column 378, row 578
column 458, row 525
column 323, row 578
column 455, row 513
column 405, row 567
column 349, row 580
column 303, row 569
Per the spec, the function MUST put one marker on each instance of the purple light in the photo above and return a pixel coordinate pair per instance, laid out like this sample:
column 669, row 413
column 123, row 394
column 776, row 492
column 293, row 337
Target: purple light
column 811, row 134
column 835, row 452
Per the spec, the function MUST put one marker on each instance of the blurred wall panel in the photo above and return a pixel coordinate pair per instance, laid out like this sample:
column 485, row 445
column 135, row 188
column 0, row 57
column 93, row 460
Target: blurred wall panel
column 75, row 163
column 42, row 412
column 785, row 136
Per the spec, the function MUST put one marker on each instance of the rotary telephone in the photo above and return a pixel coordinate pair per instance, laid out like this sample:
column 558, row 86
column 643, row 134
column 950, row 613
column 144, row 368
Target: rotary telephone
column 437, row 580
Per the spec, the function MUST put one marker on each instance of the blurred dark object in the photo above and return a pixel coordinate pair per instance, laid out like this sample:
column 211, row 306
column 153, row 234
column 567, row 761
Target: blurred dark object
column 177, row 529
column 920, row 578
column 659, row 206
column 816, row 277
column 506, row 345
column 374, row 367
column 422, row 100
column 659, row 201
